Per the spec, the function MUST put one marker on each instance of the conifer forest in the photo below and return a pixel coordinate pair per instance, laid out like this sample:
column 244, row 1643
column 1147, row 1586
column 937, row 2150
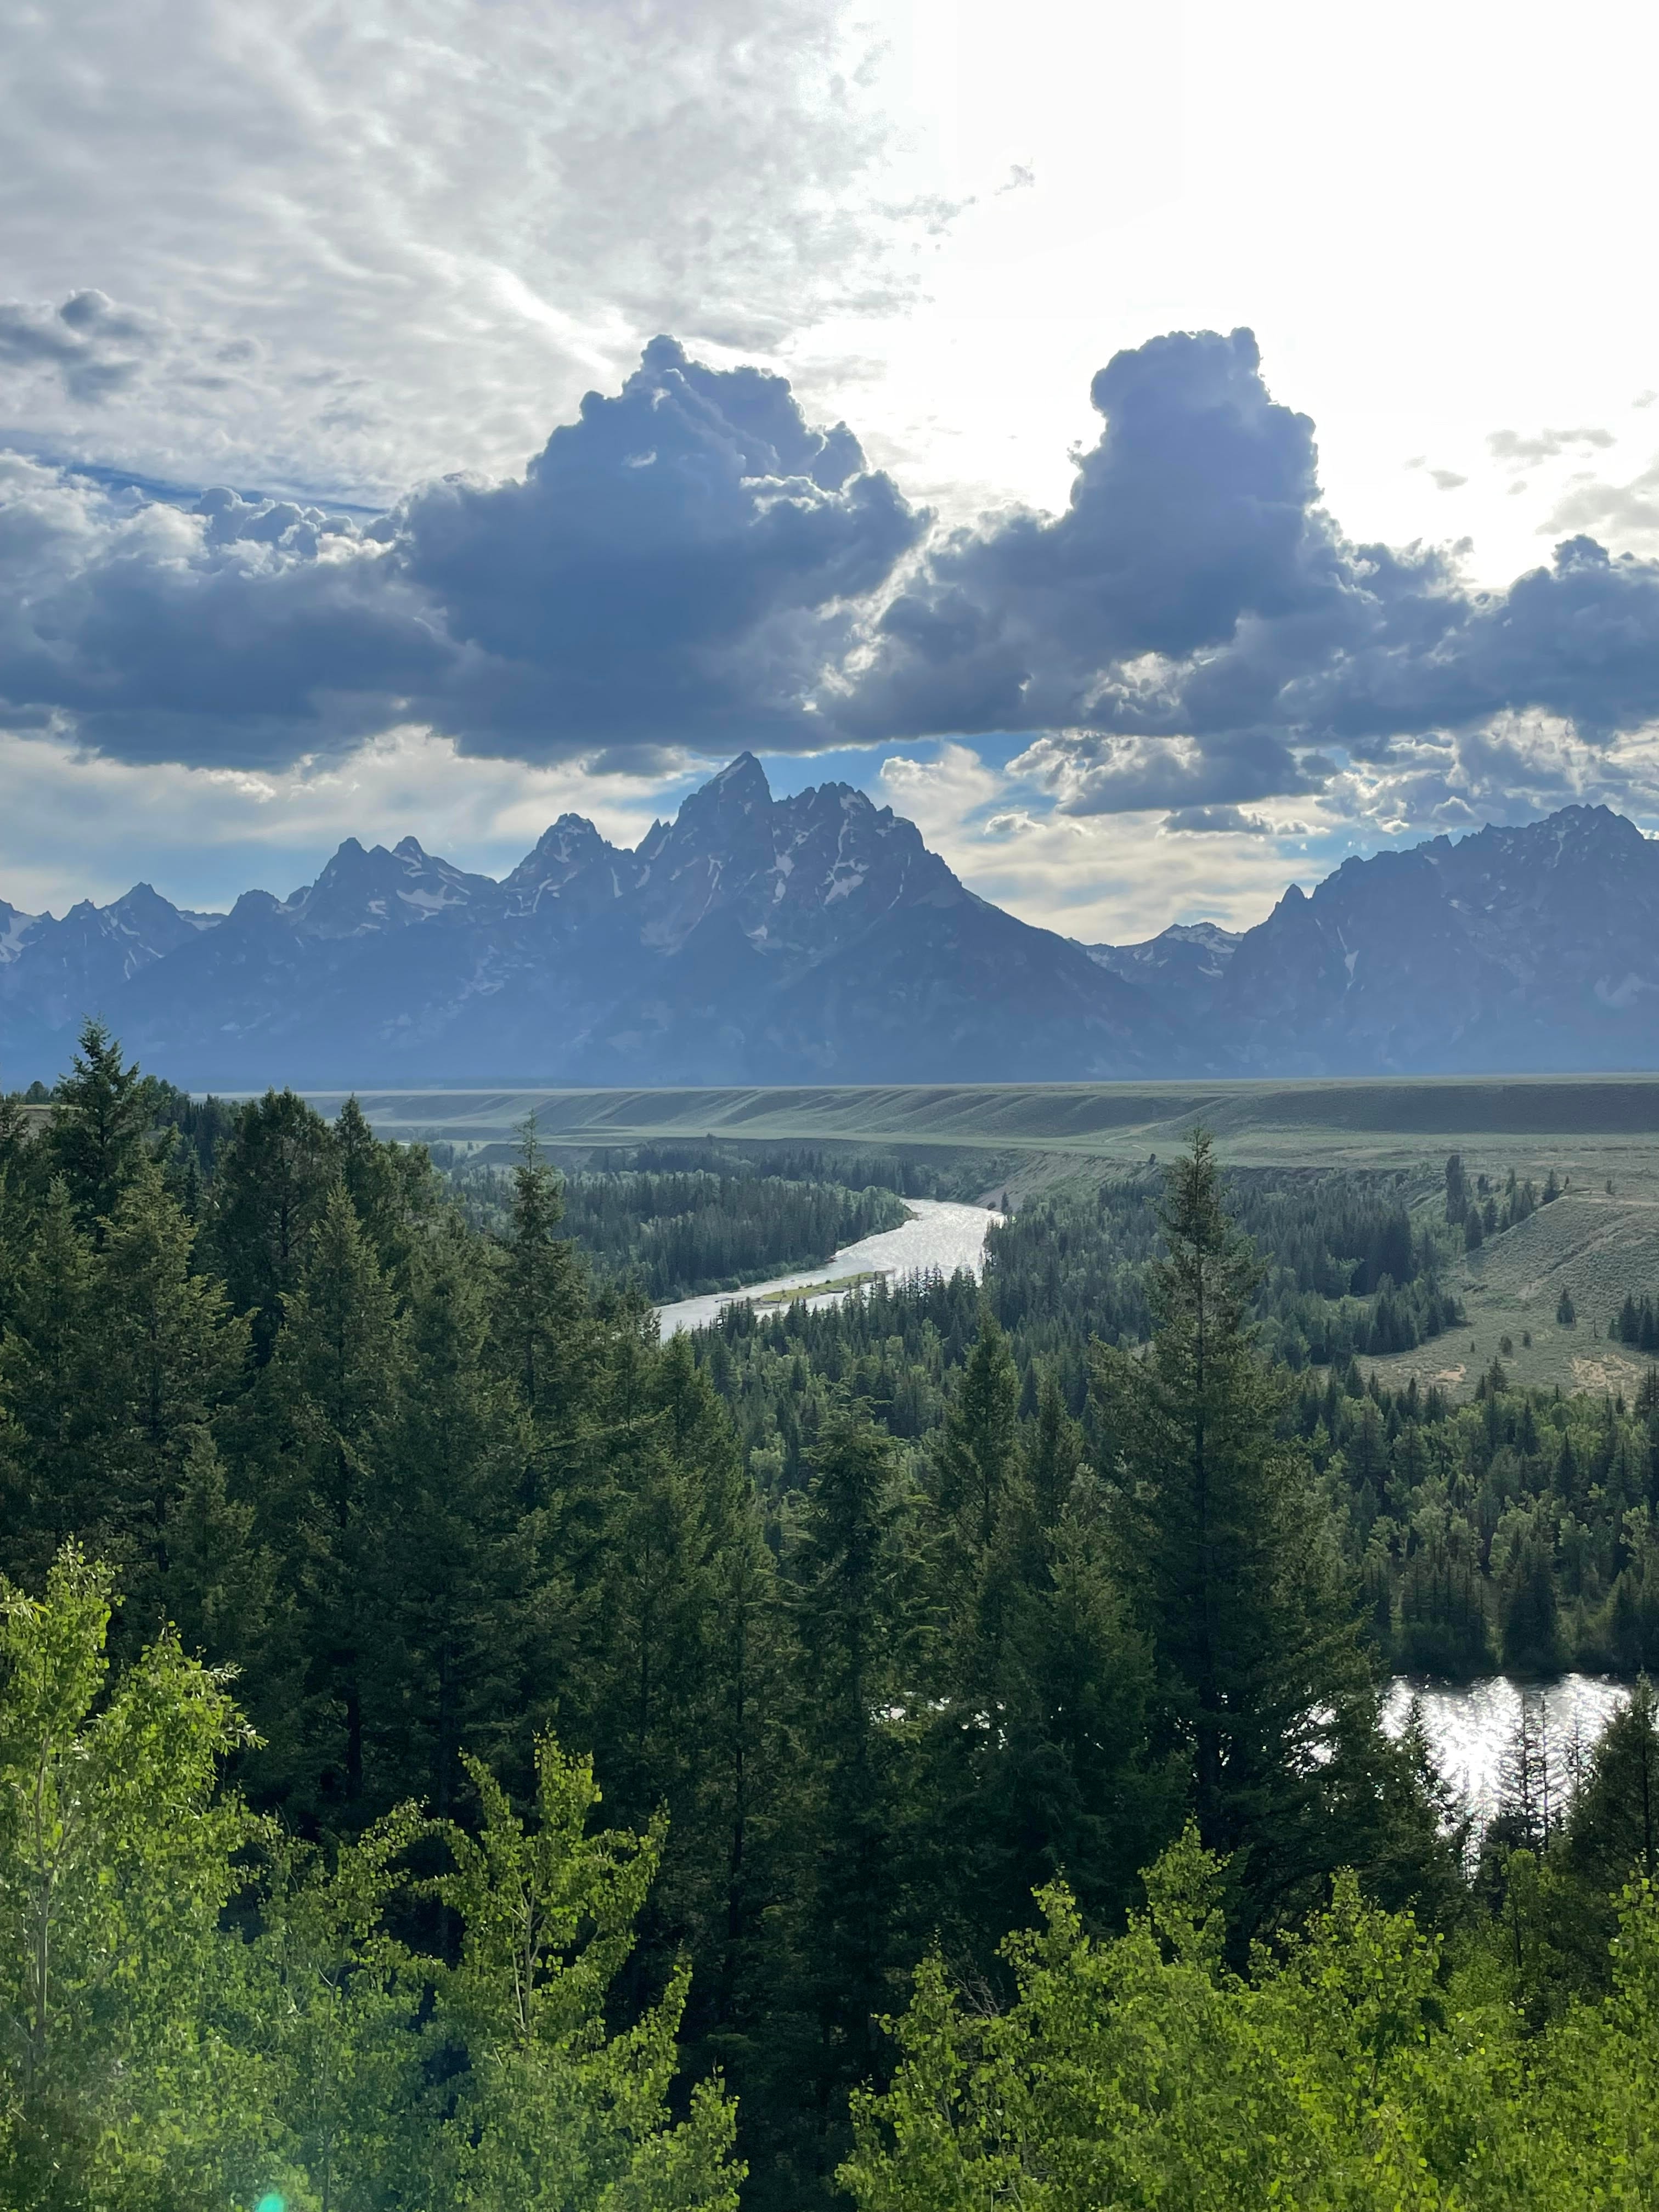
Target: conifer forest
column 459, row 1748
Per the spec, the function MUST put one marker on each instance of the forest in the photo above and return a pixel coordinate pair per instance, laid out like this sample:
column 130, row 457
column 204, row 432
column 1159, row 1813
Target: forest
column 676, row 1233
column 458, row 1750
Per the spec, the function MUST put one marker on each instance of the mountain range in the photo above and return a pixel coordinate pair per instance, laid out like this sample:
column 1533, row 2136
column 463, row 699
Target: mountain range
column 816, row 939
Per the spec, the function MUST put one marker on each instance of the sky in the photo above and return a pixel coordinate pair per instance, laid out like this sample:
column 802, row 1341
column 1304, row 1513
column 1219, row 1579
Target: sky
column 1161, row 451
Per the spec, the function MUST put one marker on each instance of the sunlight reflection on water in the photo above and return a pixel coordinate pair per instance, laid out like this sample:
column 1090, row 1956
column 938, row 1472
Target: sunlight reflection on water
column 1469, row 1724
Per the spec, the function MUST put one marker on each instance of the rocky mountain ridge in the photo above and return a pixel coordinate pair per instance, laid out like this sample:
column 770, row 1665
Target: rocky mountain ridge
column 816, row 939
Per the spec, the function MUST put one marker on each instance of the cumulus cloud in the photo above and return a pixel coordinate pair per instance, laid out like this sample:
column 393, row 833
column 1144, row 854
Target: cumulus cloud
column 692, row 565
column 1092, row 774
column 1196, row 629
column 941, row 794
column 683, row 561
column 677, row 567
column 1194, row 511
column 1591, row 503
column 153, row 634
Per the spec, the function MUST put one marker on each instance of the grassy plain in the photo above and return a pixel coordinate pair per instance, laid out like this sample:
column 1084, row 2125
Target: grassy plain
column 1595, row 1243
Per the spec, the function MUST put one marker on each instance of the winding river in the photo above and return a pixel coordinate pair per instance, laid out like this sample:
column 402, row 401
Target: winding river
column 940, row 1236
column 1469, row 1724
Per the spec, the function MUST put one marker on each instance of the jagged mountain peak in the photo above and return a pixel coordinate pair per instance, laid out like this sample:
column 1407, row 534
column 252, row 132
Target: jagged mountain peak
column 362, row 891
column 815, row 938
column 743, row 779
column 738, row 797
column 1188, row 957
column 571, row 868
column 572, row 836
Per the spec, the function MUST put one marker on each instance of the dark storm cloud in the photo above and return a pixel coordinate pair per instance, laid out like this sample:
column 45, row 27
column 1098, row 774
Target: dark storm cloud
column 691, row 562
column 1196, row 590
column 683, row 561
column 677, row 565
column 1195, row 511
column 154, row 635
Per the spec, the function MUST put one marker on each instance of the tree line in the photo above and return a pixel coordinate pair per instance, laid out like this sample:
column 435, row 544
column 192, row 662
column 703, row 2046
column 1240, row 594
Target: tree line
column 680, row 1233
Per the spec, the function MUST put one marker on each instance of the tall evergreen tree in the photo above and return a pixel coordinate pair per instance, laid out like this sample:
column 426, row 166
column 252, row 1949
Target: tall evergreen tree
column 273, row 1180
column 455, row 1566
column 326, row 1408
column 50, row 1401
column 542, row 1328
column 1053, row 1451
column 978, row 1456
column 101, row 1114
column 1228, row 1554
column 851, row 1925
column 392, row 1187
column 1613, row 1827
column 168, row 1357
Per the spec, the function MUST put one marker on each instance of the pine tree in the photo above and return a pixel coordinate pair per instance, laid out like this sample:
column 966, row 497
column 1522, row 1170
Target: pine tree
column 327, row 1406
column 273, row 1181
column 670, row 1488
column 1529, row 1620
column 978, row 1456
column 850, row 1933
column 1228, row 1554
column 455, row 1566
column 1457, row 1194
column 102, row 1111
column 51, row 1396
column 1613, row 1827
column 390, row 1186
column 542, row 1334
column 168, row 1357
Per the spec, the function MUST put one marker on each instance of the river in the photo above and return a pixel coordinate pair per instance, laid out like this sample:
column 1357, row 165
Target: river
column 939, row 1236
column 1469, row 1724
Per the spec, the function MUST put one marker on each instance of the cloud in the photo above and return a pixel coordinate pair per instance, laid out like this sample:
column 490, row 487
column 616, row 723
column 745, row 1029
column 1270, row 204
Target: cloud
column 1446, row 479
column 1194, row 511
column 942, row 794
column 1631, row 508
column 675, row 567
column 1519, row 451
column 153, row 633
column 92, row 348
column 1196, row 630
column 680, row 561
column 692, row 565
column 1217, row 821
column 383, row 240
column 75, row 827
column 1092, row 774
